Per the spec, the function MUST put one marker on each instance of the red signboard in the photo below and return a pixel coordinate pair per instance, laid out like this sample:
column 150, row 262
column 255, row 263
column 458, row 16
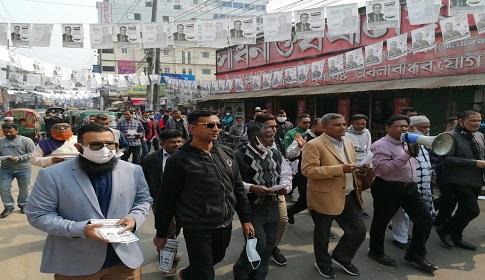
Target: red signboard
column 399, row 104
column 344, row 108
column 126, row 67
column 301, row 103
column 463, row 57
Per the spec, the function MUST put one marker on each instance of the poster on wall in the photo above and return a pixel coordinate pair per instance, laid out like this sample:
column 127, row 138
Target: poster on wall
column 423, row 38
column 101, row 36
column 277, row 78
column 310, row 23
column 277, row 26
column 303, row 72
column 354, row 60
column 20, row 34
column 72, row 35
column 185, row 34
column 383, row 14
column 480, row 22
column 317, row 69
column 397, row 46
column 463, row 7
column 128, row 35
column 423, row 11
column 454, row 28
column 155, row 35
column 228, row 86
column 214, row 33
column 239, row 84
column 373, row 54
column 3, row 34
column 335, row 64
column 343, row 19
column 41, row 35
column 267, row 80
column 242, row 30
column 290, row 75
column 256, row 82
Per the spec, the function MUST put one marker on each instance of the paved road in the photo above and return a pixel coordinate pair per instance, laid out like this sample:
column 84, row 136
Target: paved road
column 21, row 250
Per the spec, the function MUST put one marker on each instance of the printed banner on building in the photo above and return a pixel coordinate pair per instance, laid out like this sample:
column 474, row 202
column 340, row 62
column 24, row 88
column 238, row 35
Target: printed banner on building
column 397, row 47
column 423, row 38
column 20, row 34
column 41, row 35
column 101, row 36
column 354, row 60
column 423, row 11
column 128, row 35
column 229, row 85
column 463, row 7
column 239, row 85
column 126, row 66
column 277, row 78
column 317, row 69
column 373, row 54
column 214, row 33
column 242, row 30
column 303, row 72
column 310, row 23
column 256, row 82
column 72, row 35
column 155, row 35
column 290, row 75
column 335, row 64
column 343, row 19
column 383, row 14
column 277, row 27
column 185, row 34
column 455, row 28
column 267, row 80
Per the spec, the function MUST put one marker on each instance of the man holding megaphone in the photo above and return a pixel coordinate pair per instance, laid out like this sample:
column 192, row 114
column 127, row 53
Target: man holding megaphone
column 394, row 188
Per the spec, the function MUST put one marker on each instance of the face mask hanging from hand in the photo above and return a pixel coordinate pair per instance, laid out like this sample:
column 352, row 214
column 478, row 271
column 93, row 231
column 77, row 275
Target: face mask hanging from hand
column 251, row 252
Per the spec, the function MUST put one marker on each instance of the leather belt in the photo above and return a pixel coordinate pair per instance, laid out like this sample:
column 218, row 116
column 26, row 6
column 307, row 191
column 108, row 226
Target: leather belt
column 404, row 184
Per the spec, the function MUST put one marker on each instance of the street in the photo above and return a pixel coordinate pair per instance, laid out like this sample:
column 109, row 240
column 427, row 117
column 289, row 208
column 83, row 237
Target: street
column 21, row 249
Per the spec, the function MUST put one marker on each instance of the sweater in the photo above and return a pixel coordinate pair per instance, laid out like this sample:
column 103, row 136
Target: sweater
column 21, row 147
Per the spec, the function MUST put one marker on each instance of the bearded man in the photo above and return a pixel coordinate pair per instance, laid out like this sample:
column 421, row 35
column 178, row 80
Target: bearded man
column 95, row 185
column 57, row 148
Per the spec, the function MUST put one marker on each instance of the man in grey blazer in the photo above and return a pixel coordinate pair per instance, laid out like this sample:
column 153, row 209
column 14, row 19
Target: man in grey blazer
column 95, row 185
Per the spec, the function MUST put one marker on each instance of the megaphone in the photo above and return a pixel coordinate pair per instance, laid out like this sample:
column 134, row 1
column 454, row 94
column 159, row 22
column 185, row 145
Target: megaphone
column 441, row 144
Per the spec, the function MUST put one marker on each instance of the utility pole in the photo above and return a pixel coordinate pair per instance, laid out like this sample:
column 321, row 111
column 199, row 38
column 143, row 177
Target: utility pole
column 150, row 100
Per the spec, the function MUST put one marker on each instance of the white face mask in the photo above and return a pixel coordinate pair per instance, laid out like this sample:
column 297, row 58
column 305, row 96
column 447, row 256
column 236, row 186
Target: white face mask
column 251, row 252
column 281, row 119
column 228, row 114
column 99, row 157
column 262, row 147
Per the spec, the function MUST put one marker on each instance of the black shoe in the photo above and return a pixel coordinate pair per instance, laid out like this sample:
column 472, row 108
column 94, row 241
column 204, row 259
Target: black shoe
column 291, row 217
column 382, row 259
column 464, row 245
column 22, row 209
column 278, row 257
column 348, row 267
column 403, row 246
column 6, row 212
column 445, row 238
column 326, row 272
column 438, row 222
column 365, row 215
column 332, row 235
column 420, row 262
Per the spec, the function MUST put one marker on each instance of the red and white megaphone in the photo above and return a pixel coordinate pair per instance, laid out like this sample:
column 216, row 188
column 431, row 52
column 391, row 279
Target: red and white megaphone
column 441, row 144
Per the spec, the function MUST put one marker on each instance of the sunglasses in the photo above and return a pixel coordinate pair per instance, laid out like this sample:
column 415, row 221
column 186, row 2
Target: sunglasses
column 307, row 122
column 96, row 146
column 212, row 125
column 60, row 127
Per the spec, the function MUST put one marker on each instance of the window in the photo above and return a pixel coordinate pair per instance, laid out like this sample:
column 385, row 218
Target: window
column 189, row 59
column 205, row 54
column 183, row 57
column 165, row 18
column 176, row 7
column 149, row 3
column 137, row 16
column 206, row 71
column 124, row 50
column 166, row 52
column 196, row 2
column 190, row 71
column 166, row 70
column 108, row 68
column 107, row 51
column 183, row 71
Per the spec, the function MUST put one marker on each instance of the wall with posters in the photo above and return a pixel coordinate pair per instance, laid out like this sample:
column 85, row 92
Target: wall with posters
column 456, row 58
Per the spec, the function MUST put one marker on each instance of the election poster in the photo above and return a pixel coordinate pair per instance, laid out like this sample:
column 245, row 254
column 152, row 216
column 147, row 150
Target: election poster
column 423, row 39
column 397, row 46
column 454, row 28
column 242, row 30
column 101, row 36
column 382, row 14
column 310, row 23
column 277, row 27
column 343, row 19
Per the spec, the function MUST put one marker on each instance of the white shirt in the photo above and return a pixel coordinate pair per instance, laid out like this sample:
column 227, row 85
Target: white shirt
column 293, row 150
column 165, row 156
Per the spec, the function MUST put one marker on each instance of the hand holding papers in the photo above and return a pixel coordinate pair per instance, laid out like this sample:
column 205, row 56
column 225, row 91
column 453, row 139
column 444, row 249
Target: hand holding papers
column 276, row 188
column 111, row 233
column 366, row 160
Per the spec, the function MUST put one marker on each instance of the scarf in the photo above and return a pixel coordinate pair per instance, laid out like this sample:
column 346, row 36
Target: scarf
column 352, row 130
column 470, row 137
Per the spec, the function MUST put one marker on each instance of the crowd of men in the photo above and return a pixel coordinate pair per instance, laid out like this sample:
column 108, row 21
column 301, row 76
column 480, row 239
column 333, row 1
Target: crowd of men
column 87, row 176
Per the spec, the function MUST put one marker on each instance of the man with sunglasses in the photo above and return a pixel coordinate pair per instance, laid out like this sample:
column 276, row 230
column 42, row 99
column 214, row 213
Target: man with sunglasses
column 394, row 188
column 60, row 146
column 302, row 126
column 95, row 185
column 134, row 132
column 202, row 187
column 16, row 150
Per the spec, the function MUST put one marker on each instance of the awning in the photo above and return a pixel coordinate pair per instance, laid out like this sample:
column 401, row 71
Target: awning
column 138, row 101
column 420, row 83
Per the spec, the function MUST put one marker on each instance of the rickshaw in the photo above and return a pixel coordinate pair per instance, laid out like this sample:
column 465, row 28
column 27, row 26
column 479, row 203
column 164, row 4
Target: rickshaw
column 27, row 121
column 81, row 118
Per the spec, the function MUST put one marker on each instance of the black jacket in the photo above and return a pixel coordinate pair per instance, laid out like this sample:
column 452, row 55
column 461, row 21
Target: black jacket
column 202, row 190
column 152, row 166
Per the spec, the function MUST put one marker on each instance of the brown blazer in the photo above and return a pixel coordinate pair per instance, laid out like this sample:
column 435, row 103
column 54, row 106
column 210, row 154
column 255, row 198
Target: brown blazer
column 322, row 165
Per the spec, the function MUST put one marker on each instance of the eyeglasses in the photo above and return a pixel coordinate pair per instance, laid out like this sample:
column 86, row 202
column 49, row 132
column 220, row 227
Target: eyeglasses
column 307, row 122
column 273, row 126
column 96, row 146
column 60, row 127
column 400, row 126
column 212, row 125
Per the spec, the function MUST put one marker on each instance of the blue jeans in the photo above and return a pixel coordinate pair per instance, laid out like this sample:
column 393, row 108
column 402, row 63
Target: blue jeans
column 23, row 182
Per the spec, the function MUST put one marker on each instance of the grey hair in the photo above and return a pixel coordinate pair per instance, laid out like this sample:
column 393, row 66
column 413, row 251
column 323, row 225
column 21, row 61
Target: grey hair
column 331, row 116
column 256, row 129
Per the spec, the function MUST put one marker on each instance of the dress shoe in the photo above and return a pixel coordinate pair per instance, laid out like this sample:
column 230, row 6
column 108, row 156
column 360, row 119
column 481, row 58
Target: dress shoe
column 326, row 272
column 347, row 267
column 291, row 217
column 445, row 238
column 6, row 212
column 420, row 262
column 462, row 244
column 402, row 246
column 22, row 209
column 382, row 259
